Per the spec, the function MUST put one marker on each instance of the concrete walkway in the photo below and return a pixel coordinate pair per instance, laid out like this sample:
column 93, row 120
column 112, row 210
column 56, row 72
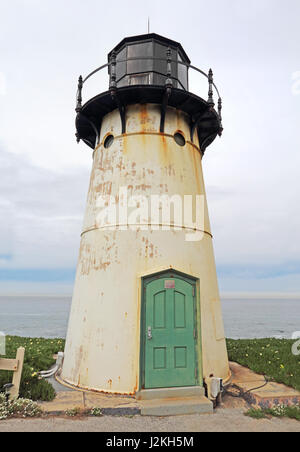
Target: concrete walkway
column 109, row 404
column 223, row 420
column 69, row 398
column 227, row 418
column 266, row 395
column 246, row 380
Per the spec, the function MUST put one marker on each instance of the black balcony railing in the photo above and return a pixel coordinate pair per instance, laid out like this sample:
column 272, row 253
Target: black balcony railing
column 113, row 80
column 142, row 79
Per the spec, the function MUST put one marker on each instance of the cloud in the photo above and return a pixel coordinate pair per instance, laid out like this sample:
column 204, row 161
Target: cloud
column 3, row 87
column 296, row 83
column 251, row 173
column 260, row 271
column 41, row 214
column 6, row 230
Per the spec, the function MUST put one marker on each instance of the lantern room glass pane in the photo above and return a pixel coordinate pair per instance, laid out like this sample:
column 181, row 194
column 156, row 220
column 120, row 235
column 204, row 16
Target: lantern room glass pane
column 160, row 51
column 139, row 79
column 121, row 67
column 182, row 74
column 140, row 50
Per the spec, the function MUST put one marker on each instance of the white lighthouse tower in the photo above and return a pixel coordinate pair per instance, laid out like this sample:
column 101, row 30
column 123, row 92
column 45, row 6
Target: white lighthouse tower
column 146, row 311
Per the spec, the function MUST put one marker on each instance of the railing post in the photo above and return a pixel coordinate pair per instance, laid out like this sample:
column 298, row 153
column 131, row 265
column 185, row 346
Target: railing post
column 79, row 94
column 169, row 82
column 113, row 72
column 210, row 89
column 220, row 115
column 168, row 91
column 79, row 102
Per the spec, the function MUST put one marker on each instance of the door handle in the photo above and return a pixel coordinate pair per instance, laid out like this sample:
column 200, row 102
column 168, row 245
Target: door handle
column 149, row 333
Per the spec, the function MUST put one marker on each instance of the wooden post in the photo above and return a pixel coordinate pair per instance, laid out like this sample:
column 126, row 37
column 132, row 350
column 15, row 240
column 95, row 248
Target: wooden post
column 15, row 365
column 14, row 394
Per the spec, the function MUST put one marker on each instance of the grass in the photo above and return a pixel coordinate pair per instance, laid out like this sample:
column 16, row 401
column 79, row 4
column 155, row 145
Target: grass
column 292, row 412
column 38, row 356
column 270, row 357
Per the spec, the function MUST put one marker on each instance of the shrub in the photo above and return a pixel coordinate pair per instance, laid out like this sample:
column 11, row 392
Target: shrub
column 18, row 408
column 96, row 412
column 73, row 412
column 38, row 356
column 256, row 413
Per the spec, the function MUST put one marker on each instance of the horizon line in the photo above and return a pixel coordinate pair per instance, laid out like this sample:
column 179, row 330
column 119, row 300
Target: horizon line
column 223, row 296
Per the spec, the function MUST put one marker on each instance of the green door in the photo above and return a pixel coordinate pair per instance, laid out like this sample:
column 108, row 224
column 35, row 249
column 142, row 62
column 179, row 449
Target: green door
column 170, row 357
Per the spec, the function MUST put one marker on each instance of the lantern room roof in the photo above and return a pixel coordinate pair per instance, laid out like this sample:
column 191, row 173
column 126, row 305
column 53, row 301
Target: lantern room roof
column 151, row 37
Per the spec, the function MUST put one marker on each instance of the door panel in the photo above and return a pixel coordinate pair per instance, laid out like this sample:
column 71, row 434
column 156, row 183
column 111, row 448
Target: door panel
column 159, row 310
column 179, row 310
column 170, row 357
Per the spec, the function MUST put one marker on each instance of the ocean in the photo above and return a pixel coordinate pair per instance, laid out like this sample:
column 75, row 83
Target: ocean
column 243, row 318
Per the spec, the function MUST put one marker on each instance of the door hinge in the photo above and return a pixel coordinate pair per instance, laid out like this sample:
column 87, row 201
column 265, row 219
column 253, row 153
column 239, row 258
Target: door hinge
column 196, row 373
column 195, row 333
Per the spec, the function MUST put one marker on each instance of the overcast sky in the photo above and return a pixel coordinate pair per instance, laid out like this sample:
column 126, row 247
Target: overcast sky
column 252, row 173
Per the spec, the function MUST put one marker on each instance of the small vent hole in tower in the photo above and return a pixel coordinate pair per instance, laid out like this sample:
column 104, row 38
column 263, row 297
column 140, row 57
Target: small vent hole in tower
column 179, row 138
column 108, row 141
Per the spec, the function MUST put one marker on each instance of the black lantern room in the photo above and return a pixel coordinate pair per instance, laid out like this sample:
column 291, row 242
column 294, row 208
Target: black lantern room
column 142, row 60
column 149, row 69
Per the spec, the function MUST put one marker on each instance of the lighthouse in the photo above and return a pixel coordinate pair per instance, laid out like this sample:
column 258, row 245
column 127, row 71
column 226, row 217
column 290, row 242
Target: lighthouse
column 146, row 312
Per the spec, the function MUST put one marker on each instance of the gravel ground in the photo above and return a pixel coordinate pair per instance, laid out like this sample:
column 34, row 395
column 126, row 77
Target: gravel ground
column 223, row 420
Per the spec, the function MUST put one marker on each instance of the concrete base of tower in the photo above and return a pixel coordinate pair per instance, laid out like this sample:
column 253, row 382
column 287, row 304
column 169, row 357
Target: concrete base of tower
column 177, row 406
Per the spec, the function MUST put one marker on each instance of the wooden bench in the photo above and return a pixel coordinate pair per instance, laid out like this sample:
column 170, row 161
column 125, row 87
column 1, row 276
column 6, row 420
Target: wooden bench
column 16, row 366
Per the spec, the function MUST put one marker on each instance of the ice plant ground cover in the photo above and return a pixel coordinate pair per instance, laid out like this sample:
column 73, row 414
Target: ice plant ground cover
column 270, row 357
column 18, row 408
column 24, row 408
column 38, row 356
